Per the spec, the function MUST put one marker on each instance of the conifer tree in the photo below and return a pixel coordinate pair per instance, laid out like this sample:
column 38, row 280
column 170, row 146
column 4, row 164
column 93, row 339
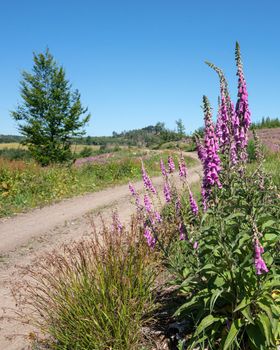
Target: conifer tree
column 51, row 113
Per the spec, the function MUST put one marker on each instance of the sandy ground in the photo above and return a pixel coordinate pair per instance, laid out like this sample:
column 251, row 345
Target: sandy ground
column 25, row 237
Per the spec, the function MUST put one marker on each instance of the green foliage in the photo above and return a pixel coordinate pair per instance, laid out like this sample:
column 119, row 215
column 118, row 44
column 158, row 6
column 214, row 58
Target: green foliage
column 181, row 130
column 94, row 296
column 229, row 305
column 27, row 185
column 50, row 113
column 86, row 152
column 251, row 150
column 15, row 154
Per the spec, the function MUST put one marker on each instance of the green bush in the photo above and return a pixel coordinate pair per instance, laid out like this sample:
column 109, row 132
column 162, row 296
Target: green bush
column 228, row 305
column 86, row 152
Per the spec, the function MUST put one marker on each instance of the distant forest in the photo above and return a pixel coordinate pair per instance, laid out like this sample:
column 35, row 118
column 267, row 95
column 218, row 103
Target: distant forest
column 149, row 136
column 266, row 123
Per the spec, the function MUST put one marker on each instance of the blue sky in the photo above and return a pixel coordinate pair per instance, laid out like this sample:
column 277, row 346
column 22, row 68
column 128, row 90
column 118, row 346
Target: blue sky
column 139, row 62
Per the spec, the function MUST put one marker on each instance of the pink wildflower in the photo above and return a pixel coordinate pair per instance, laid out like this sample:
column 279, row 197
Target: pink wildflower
column 193, row 204
column 167, row 192
column 259, row 262
column 147, row 181
column 149, row 237
column 147, row 203
column 171, row 164
column 182, row 232
column 182, row 168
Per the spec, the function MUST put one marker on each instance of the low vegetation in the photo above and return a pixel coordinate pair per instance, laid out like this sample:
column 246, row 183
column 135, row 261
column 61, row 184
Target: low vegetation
column 25, row 185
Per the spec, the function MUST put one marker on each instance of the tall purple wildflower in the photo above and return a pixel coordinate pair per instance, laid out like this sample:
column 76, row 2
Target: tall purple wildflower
column 234, row 127
column 157, row 216
column 223, row 120
column 178, row 205
column 243, row 114
column 182, row 168
column 225, row 134
column 182, row 232
column 171, row 164
column 132, row 189
column 162, row 168
column 194, row 207
column 135, row 195
column 211, row 165
column 200, row 150
column 147, row 203
column 147, row 181
column 259, row 262
column 167, row 192
column 151, row 241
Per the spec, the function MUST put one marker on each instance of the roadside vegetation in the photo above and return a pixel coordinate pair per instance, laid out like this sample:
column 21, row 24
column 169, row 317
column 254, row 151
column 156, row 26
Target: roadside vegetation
column 208, row 261
column 25, row 184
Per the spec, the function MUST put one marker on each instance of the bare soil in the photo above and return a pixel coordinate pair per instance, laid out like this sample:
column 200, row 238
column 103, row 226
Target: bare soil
column 25, row 237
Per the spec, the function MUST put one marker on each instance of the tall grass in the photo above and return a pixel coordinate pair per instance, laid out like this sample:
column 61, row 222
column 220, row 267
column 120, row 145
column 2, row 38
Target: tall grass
column 96, row 294
column 272, row 165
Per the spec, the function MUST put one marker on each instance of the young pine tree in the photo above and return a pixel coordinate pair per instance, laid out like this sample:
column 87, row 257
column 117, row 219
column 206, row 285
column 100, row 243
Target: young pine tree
column 50, row 114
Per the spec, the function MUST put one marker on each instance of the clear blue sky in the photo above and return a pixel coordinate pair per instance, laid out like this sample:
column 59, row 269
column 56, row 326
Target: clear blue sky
column 138, row 62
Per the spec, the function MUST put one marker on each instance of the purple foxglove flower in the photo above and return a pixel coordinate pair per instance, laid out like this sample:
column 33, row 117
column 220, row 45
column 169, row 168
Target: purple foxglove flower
column 162, row 168
column 149, row 237
column 233, row 153
column 243, row 113
column 167, row 192
column 171, row 164
column 259, row 262
column 204, row 199
column 147, row 203
column 200, row 151
column 224, row 123
column 178, row 206
column 182, row 232
column 182, row 168
column 211, row 164
column 147, row 181
column 194, row 207
column 158, row 217
column 132, row 189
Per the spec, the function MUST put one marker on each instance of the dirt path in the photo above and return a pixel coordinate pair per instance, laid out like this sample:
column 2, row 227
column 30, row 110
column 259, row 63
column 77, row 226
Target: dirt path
column 27, row 236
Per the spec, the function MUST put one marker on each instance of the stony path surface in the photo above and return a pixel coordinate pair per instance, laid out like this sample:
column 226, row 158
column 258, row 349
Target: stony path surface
column 27, row 236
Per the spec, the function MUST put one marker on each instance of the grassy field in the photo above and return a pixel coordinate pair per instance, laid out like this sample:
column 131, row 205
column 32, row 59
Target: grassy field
column 75, row 148
column 12, row 145
column 25, row 185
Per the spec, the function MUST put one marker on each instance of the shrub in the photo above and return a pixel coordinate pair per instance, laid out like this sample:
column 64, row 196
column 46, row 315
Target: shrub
column 86, row 152
column 96, row 293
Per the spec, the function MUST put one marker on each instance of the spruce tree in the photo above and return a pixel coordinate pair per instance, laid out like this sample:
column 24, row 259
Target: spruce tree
column 51, row 114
